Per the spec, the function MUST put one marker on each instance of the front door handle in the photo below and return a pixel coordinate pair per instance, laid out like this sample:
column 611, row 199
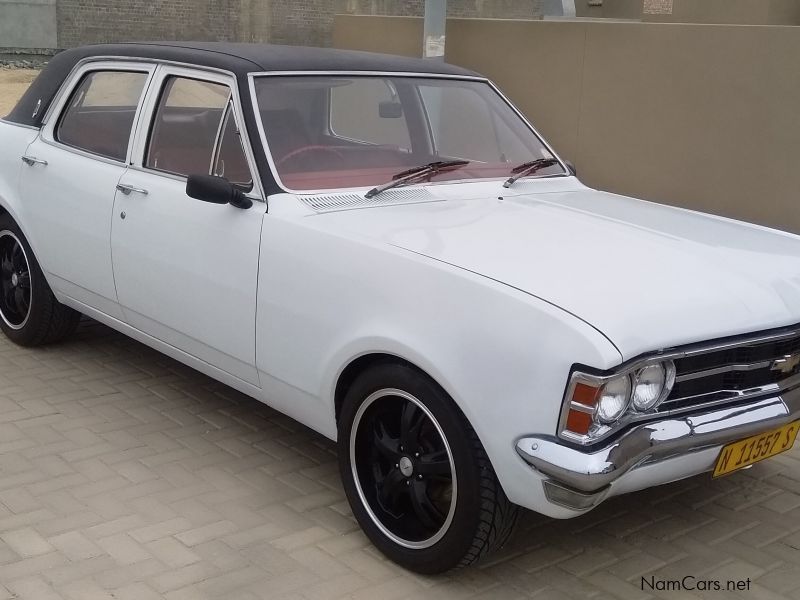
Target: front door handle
column 32, row 160
column 129, row 189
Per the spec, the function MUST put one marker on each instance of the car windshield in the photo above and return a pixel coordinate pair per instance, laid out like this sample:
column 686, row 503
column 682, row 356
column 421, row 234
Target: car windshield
column 327, row 132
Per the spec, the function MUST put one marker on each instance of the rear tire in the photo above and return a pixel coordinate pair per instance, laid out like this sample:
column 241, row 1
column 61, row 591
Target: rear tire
column 416, row 475
column 30, row 315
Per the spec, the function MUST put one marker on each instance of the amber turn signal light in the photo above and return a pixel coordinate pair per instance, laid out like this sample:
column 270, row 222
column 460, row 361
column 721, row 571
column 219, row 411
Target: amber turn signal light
column 578, row 422
column 585, row 394
column 584, row 399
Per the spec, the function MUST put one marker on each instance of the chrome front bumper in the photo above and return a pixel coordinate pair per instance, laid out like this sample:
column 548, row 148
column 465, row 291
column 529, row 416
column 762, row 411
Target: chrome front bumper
column 687, row 442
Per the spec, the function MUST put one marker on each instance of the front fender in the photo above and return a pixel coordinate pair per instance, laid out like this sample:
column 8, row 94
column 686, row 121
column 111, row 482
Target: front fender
column 503, row 355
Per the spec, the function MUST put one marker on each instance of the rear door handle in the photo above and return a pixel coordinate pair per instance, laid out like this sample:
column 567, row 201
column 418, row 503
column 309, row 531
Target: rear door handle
column 32, row 160
column 129, row 189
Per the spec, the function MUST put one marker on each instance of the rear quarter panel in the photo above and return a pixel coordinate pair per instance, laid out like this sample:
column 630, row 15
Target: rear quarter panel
column 14, row 141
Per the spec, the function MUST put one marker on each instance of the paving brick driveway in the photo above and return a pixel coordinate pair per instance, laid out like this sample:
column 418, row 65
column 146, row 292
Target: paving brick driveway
column 126, row 475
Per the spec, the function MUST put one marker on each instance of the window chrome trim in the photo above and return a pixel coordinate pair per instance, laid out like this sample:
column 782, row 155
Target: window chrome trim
column 580, row 373
column 562, row 163
column 67, row 89
column 229, row 112
column 377, row 73
column 154, row 63
column 115, row 59
column 150, row 107
column 218, row 137
column 360, row 189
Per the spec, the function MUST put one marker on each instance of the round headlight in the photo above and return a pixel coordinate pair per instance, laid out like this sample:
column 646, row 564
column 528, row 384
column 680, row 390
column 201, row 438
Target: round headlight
column 650, row 385
column 613, row 400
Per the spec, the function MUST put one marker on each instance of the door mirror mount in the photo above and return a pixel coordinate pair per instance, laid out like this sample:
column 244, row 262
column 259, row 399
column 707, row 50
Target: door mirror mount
column 216, row 190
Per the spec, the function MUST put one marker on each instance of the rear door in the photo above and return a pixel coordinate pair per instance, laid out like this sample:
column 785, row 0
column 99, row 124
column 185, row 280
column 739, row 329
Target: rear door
column 186, row 271
column 70, row 176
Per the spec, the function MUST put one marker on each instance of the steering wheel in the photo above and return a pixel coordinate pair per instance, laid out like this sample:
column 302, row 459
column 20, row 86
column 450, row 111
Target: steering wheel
column 303, row 150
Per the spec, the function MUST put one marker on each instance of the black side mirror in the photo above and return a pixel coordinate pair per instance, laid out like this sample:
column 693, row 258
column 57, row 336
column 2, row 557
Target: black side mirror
column 571, row 167
column 216, row 190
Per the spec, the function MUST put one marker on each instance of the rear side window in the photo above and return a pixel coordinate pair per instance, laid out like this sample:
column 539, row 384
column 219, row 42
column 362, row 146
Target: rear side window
column 193, row 132
column 99, row 116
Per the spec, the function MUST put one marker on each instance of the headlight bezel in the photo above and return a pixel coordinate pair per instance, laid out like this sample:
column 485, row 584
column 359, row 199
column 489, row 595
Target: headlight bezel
column 669, row 381
column 582, row 380
column 625, row 394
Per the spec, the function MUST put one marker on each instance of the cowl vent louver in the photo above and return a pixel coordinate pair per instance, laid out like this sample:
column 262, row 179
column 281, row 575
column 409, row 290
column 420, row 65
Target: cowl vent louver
column 334, row 202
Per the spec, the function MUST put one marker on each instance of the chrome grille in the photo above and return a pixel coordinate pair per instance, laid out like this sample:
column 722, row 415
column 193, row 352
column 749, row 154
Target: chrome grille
column 730, row 371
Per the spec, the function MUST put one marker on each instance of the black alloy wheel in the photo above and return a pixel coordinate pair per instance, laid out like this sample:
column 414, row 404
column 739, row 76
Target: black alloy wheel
column 415, row 473
column 30, row 315
column 403, row 468
column 15, row 281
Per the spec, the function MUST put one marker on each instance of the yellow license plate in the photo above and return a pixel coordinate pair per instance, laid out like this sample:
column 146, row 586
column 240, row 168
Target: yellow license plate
column 749, row 451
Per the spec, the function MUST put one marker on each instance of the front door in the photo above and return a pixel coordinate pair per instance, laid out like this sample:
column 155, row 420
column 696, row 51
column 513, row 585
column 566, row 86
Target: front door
column 70, row 176
column 186, row 271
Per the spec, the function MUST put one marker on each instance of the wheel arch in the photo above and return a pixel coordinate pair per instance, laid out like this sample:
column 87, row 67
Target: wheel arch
column 364, row 362
column 359, row 365
column 4, row 210
column 7, row 209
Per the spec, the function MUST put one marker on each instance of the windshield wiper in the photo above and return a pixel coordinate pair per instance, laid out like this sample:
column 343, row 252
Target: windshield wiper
column 414, row 173
column 529, row 168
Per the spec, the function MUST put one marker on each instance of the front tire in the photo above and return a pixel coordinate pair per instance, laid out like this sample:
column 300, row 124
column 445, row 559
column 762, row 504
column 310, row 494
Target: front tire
column 417, row 478
column 30, row 315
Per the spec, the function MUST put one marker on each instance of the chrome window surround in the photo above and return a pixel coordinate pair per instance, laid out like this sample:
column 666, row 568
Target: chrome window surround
column 150, row 110
column 580, row 374
column 151, row 65
column 229, row 113
column 153, row 114
column 70, row 84
column 151, row 106
column 271, row 160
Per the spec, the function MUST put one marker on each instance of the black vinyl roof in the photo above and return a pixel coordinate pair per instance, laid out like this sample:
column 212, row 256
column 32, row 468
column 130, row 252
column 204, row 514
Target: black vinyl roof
column 238, row 58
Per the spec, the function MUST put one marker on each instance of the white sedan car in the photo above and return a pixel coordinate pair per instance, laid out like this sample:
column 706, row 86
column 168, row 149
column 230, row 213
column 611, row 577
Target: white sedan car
column 386, row 250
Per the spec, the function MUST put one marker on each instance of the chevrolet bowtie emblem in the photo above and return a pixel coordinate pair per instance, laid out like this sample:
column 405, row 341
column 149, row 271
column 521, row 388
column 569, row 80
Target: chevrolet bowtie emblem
column 787, row 364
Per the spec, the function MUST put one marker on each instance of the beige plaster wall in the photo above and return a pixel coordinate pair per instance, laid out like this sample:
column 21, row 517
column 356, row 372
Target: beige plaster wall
column 702, row 116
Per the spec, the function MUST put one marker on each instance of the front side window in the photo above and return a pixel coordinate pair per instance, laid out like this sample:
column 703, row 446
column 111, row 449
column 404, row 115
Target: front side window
column 230, row 161
column 99, row 115
column 194, row 133
column 326, row 132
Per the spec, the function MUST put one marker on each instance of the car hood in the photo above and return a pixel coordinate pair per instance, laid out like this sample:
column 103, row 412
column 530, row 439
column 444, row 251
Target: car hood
column 647, row 276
